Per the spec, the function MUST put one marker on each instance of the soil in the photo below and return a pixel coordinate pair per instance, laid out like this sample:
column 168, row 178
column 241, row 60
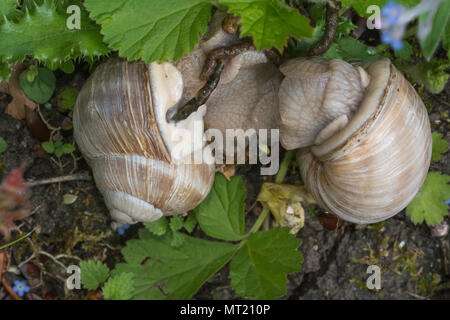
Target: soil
column 414, row 264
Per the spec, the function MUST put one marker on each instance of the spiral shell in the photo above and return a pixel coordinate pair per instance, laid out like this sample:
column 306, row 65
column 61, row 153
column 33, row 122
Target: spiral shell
column 121, row 129
column 372, row 167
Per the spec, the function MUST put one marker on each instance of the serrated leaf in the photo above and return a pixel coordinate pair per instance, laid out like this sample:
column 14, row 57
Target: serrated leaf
column 269, row 22
column 162, row 271
column 221, row 214
column 93, row 273
column 67, row 98
column 8, row 8
column 176, row 223
column 41, row 89
column 158, row 227
column 42, row 33
column 259, row 270
column 429, row 205
column 48, row 146
column 3, row 145
column 190, row 223
column 439, row 146
column 177, row 239
column 119, row 287
column 440, row 20
column 151, row 30
column 67, row 148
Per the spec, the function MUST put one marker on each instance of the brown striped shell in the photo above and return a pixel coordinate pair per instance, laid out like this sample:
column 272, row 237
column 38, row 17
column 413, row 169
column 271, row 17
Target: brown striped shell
column 372, row 166
column 121, row 129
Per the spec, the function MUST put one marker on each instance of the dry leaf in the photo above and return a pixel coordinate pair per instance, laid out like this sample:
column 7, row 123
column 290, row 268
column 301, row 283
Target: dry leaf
column 285, row 203
column 20, row 101
column 228, row 171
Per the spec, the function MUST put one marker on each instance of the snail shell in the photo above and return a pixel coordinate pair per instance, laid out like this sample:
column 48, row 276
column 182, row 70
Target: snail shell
column 121, row 129
column 370, row 164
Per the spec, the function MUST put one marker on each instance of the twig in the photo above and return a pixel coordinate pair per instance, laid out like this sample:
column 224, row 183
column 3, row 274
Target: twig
column 72, row 177
column 332, row 19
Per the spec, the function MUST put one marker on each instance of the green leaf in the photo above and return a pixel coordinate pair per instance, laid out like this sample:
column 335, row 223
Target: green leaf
column 3, row 145
column 5, row 71
column 177, row 239
column 361, row 5
column 119, row 287
column 48, row 146
column 162, row 271
column 429, row 205
column 439, row 147
column 67, row 148
column 269, row 22
column 431, row 74
column 259, row 270
column 158, row 227
column 440, row 20
column 404, row 53
column 151, row 30
column 67, row 67
column 348, row 48
column 67, row 98
column 176, row 223
column 221, row 214
column 93, row 273
column 190, row 223
column 42, row 33
column 8, row 8
column 41, row 89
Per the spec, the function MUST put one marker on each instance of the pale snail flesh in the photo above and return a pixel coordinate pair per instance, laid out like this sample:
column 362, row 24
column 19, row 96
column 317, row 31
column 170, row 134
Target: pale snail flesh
column 364, row 135
column 121, row 129
column 246, row 96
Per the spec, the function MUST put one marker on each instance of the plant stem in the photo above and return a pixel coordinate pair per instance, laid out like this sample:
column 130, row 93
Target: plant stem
column 17, row 240
column 72, row 177
column 279, row 179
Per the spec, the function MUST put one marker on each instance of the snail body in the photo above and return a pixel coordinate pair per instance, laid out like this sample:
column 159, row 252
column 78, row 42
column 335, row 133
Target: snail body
column 368, row 153
column 121, row 129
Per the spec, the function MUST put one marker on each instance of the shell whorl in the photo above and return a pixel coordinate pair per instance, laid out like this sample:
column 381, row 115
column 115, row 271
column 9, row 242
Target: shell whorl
column 118, row 126
column 372, row 168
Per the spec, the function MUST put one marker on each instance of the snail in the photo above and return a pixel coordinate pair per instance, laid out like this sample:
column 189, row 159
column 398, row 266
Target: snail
column 363, row 135
column 246, row 96
column 139, row 164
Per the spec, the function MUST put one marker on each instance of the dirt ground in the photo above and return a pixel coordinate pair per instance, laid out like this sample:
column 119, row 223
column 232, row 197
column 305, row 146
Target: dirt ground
column 414, row 264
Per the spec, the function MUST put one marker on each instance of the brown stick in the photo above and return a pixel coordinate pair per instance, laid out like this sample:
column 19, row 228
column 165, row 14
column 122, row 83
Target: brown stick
column 72, row 177
column 332, row 19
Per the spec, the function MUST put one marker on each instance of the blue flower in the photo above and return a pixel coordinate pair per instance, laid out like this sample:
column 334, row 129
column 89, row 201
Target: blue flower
column 121, row 229
column 388, row 38
column 392, row 12
column 447, row 202
column 20, row 287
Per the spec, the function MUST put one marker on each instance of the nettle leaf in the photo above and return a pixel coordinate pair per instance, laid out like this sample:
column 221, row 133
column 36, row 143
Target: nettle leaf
column 93, row 273
column 162, row 271
column 8, row 8
column 119, row 287
column 429, row 205
column 221, row 214
column 437, row 32
column 151, row 30
column 42, row 33
column 439, row 146
column 431, row 74
column 269, row 22
column 41, row 89
column 259, row 270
